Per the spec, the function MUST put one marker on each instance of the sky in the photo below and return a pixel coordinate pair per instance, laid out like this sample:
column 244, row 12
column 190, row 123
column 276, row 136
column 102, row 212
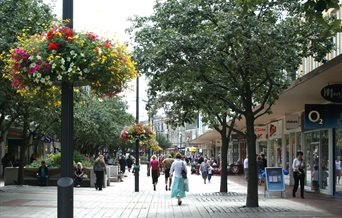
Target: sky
column 109, row 18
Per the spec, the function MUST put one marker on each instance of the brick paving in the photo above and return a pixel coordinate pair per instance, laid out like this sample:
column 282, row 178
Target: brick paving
column 203, row 200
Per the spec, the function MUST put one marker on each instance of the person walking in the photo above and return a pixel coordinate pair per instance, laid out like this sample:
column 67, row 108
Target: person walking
column 210, row 172
column 129, row 162
column 100, row 170
column 204, row 170
column 245, row 168
column 167, row 162
column 6, row 162
column 178, row 170
column 338, row 169
column 154, row 164
column 79, row 174
column 122, row 163
column 298, row 174
column 260, row 169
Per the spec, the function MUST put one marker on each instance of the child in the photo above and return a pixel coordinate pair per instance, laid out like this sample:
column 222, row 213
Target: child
column 314, row 179
column 43, row 174
column 210, row 172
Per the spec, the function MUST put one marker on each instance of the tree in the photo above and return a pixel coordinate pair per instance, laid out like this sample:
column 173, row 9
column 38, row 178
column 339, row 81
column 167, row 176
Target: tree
column 16, row 17
column 245, row 49
column 99, row 122
column 164, row 142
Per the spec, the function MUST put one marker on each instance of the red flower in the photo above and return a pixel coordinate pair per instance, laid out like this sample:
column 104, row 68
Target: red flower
column 67, row 32
column 92, row 36
column 53, row 46
column 107, row 44
column 50, row 35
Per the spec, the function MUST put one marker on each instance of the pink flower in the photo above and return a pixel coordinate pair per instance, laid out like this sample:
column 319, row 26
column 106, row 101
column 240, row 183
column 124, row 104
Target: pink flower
column 37, row 67
column 47, row 65
column 32, row 70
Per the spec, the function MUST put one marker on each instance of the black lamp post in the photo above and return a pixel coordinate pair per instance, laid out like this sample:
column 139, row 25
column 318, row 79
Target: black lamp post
column 65, row 183
column 136, row 166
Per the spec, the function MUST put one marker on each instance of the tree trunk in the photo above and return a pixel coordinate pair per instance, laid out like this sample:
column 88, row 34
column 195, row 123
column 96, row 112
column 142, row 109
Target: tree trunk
column 252, row 190
column 224, row 161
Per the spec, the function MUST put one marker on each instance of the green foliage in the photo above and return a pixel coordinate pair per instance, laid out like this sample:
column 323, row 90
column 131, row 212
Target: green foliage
column 164, row 142
column 54, row 160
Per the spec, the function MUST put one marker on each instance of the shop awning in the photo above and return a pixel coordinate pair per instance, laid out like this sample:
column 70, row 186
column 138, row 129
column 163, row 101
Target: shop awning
column 305, row 90
column 206, row 137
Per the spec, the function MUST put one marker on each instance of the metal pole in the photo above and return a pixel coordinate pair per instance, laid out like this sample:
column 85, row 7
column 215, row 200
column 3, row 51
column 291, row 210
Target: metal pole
column 136, row 166
column 65, row 200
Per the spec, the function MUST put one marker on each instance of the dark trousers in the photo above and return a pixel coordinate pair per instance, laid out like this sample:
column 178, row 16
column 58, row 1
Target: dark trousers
column 155, row 176
column 298, row 179
column 78, row 181
column 99, row 179
column 43, row 180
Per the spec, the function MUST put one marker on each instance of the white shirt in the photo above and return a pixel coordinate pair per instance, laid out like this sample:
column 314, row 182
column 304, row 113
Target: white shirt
column 245, row 163
column 177, row 167
column 338, row 165
column 297, row 164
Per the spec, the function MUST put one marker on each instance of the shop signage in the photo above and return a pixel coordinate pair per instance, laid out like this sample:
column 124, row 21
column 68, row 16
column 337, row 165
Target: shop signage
column 319, row 116
column 291, row 121
column 274, row 179
column 261, row 132
column 332, row 93
column 275, row 130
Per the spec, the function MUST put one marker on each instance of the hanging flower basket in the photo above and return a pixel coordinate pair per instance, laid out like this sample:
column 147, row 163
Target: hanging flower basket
column 143, row 133
column 61, row 54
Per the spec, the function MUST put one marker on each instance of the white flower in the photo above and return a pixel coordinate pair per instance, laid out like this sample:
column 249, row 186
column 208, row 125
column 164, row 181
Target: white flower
column 53, row 66
column 72, row 64
column 62, row 61
column 59, row 77
column 86, row 70
column 30, row 58
column 42, row 80
column 39, row 57
column 49, row 83
column 70, row 69
column 38, row 75
column 47, row 78
column 32, row 65
column 68, row 58
column 38, row 87
column 72, row 52
column 82, row 55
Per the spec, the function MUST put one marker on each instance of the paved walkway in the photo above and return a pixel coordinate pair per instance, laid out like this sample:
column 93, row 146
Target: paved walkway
column 120, row 200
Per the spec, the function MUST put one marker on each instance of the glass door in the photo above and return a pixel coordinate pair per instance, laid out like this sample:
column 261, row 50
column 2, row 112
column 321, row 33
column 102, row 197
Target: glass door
column 338, row 162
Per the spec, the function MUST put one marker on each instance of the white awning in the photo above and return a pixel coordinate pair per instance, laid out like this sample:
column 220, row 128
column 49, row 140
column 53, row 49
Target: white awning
column 206, row 137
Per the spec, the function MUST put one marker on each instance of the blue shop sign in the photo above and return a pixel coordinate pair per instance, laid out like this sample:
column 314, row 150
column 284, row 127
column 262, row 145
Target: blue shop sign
column 319, row 116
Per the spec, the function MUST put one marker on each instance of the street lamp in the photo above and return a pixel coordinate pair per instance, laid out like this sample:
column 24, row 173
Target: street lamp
column 65, row 201
column 137, row 146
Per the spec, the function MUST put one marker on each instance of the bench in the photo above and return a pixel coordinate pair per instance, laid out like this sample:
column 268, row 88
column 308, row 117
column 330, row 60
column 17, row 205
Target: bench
column 30, row 176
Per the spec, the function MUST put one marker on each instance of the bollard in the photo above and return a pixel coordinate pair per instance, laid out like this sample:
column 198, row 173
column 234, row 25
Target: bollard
column 65, row 197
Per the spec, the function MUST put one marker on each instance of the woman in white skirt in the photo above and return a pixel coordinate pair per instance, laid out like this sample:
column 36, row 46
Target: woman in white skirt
column 179, row 185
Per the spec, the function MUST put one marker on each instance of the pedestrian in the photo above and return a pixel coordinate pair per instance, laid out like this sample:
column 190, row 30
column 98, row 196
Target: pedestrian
column 6, row 162
column 100, row 170
column 180, row 183
column 264, row 160
column 298, row 174
column 245, row 167
column 161, row 159
column 210, row 172
column 338, row 169
column 154, row 165
column 314, row 179
column 167, row 162
column 43, row 172
column 129, row 162
column 204, row 170
column 122, row 163
column 260, row 166
column 78, row 174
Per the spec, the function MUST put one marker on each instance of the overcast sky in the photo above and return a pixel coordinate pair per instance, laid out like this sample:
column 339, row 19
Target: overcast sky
column 108, row 18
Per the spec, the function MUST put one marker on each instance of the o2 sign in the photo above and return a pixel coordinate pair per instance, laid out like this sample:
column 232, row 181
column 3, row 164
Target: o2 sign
column 315, row 117
column 319, row 116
